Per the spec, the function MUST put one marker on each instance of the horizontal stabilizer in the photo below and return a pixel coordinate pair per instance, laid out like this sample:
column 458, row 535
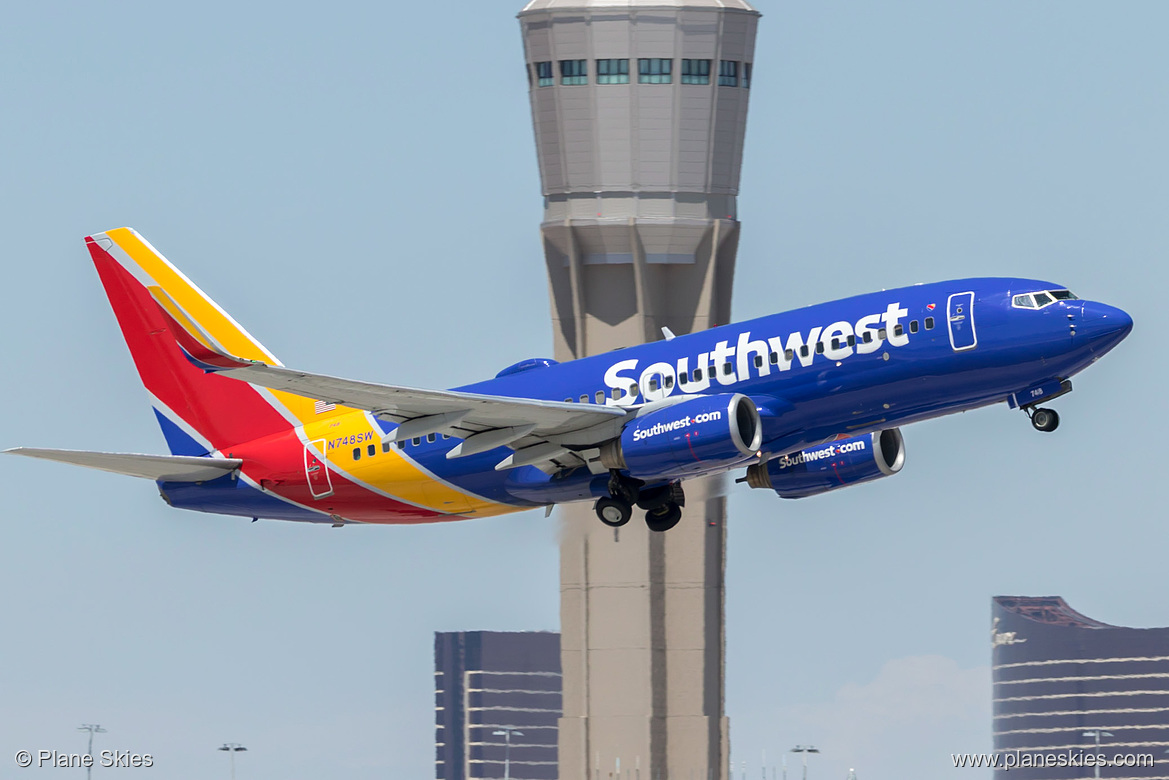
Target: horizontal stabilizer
column 169, row 468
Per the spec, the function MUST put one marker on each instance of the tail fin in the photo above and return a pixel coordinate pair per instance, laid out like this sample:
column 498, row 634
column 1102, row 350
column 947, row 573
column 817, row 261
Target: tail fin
column 199, row 412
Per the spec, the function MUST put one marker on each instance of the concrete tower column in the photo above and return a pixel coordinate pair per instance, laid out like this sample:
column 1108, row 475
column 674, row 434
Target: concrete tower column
column 639, row 109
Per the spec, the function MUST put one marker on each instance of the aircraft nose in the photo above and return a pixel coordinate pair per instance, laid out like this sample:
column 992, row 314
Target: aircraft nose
column 1105, row 325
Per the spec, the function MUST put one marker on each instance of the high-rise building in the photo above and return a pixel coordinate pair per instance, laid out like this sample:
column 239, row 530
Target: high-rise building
column 497, row 703
column 639, row 109
column 1061, row 677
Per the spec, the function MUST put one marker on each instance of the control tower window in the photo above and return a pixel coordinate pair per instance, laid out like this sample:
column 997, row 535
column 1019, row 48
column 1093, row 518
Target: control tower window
column 654, row 70
column 544, row 74
column 695, row 71
column 574, row 72
column 746, row 75
column 612, row 71
column 728, row 73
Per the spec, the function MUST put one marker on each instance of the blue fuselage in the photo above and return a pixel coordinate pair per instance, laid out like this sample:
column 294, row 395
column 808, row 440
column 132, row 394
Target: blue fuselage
column 848, row 367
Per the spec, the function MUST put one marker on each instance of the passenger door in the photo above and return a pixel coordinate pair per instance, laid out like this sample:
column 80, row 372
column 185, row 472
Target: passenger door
column 316, row 471
column 960, row 317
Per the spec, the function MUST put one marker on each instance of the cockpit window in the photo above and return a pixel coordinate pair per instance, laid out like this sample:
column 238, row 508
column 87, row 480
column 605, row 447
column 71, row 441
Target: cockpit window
column 1038, row 300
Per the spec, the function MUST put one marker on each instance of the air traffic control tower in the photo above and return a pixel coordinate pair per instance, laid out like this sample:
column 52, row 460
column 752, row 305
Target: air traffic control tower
column 639, row 109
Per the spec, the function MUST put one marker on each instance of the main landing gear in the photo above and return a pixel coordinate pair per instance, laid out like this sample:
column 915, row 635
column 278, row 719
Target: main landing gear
column 662, row 505
column 1045, row 420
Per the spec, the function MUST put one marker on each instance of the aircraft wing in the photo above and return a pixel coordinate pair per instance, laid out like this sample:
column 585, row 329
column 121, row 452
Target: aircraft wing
column 540, row 431
column 171, row 468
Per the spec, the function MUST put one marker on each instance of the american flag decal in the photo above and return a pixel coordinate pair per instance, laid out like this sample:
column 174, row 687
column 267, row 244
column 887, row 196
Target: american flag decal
column 320, row 407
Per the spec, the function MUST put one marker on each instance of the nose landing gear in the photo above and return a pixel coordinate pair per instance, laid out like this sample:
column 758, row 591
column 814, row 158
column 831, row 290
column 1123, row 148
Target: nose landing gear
column 1045, row 420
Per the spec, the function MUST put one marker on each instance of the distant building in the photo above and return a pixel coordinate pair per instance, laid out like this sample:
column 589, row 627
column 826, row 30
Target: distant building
column 491, row 681
column 1058, row 674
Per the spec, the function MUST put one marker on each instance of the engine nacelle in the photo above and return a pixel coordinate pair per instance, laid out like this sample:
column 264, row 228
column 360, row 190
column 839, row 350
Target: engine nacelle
column 700, row 435
column 830, row 466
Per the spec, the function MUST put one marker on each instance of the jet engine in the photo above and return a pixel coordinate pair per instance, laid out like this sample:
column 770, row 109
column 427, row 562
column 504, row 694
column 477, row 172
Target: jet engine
column 830, row 466
column 700, row 435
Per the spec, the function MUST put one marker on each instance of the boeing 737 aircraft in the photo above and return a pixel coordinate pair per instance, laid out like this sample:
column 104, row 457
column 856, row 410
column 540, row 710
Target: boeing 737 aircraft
column 804, row 402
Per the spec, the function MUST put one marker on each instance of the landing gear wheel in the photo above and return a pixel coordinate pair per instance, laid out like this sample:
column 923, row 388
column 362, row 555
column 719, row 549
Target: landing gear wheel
column 1045, row 420
column 613, row 511
column 663, row 518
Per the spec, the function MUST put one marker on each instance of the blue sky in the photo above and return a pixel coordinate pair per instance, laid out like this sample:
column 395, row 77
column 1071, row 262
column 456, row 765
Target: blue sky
column 357, row 185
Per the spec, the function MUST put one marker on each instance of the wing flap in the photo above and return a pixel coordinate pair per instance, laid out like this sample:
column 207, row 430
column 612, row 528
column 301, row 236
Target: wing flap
column 170, row 468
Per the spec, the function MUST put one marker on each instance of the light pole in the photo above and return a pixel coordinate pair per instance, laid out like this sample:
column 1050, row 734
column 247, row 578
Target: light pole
column 506, row 734
column 92, row 728
column 1097, row 733
column 805, row 749
column 232, row 748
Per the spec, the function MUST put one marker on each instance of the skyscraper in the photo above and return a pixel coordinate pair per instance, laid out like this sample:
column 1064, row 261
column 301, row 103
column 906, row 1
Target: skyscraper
column 497, row 702
column 639, row 109
column 1060, row 677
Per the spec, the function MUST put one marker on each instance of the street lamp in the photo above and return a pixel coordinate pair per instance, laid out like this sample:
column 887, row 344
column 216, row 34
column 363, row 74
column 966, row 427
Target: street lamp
column 805, row 749
column 232, row 748
column 506, row 734
column 1097, row 733
column 92, row 728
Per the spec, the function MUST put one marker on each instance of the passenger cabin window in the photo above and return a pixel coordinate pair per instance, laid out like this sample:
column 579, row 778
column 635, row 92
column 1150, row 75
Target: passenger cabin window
column 929, row 323
column 584, row 399
column 789, row 355
column 402, row 444
column 683, row 378
column 668, row 381
column 653, row 384
column 774, row 357
column 385, row 446
column 698, row 375
column 612, row 71
column 758, row 361
column 852, row 341
column 618, row 392
column 836, row 343
column 654, row 70
column 913, row 326
column 574, row 72
column 567, row 400
column 544, row 74
column 804, row 351
column 371, row 450
column 898, row 330
column 868, row 337
column 882, row 333
column 430, row 437
column 416, row 440
column 357, row 453
column 728, row 368
column 695, row 71
column 819, row 347
column 599, row 396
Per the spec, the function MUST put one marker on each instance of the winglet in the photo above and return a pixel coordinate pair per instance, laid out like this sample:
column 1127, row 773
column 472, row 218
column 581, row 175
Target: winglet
column 198, row 349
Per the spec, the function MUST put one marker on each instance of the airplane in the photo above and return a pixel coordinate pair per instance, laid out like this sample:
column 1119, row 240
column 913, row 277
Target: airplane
column 804, row 402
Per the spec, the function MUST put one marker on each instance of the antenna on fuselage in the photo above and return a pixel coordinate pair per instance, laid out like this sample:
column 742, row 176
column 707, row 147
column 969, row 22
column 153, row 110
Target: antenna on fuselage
column 669, row 334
